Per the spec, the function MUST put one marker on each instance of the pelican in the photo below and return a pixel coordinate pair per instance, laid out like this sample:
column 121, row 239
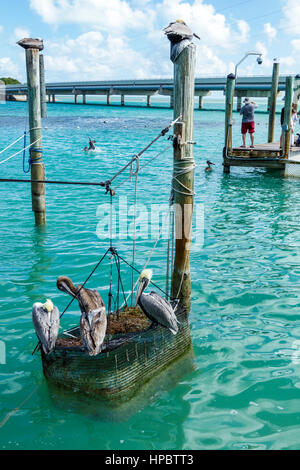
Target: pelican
column 155, row 307
column 209, row 168
column 29, row 43
column 178, row 31
column 45, row 319
column 180, row 36
column 93, row 319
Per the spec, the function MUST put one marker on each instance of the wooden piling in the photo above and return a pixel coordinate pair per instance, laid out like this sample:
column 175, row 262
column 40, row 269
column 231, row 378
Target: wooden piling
column 183, row 182
column 200, row 102
column 84, row 98
column 35, row 123
column 43, row 87
column 148, row 101
column 229, row 95
column 108, row 99
column 289, row 89
column 239, row 104
column 272, row 101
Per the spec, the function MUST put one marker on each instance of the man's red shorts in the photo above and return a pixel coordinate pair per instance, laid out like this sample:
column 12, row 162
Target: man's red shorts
column 248, row 126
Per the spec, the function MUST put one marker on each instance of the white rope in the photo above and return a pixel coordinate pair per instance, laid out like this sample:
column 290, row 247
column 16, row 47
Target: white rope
column 22, row 137
column 179, row 171
column 20, row 151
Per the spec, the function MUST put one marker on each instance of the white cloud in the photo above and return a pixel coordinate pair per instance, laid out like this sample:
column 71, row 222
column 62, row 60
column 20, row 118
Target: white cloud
column 270, row 31
column 21, row 33
column 291, row 11
column 91, row 57
column 8, row 68
column 110, row 16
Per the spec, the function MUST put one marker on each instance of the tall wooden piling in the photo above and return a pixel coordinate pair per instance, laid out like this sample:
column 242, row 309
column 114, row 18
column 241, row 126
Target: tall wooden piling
column 272, row 102
column 43, row 87
column 289, row 89
column 230, row 86
column 32, row 48
column 183, row 181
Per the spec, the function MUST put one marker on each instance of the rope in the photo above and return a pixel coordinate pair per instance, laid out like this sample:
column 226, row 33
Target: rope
column 179, row 171
column 19, row 138
column 134, row 226
column 147, row 262
column 20, row 151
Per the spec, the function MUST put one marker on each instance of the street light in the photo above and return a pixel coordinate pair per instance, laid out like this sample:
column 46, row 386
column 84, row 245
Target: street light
column 259, row 60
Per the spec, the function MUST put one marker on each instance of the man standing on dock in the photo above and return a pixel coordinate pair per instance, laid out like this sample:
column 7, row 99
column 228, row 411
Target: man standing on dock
column 248, row 121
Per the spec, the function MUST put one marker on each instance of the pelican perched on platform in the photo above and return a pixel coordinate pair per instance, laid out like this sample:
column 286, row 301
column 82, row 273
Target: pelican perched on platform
column 93, row 321
column 45, row 319
column 155, row 307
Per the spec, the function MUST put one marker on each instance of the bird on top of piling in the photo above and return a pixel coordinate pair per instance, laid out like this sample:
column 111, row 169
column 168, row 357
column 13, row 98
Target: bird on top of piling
column 209, row 168
column 30, row 43
column 93, row 321
column 180, row 36
column 45, row 319
column 155, row 307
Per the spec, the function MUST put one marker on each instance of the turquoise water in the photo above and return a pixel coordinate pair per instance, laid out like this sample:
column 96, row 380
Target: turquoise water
column 240, row 386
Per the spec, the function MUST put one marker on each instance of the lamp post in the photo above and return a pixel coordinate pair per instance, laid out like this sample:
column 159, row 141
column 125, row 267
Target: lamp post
column 259, row 60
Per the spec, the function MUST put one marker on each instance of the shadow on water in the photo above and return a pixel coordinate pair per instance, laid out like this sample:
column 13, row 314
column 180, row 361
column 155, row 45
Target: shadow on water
column 118, row 411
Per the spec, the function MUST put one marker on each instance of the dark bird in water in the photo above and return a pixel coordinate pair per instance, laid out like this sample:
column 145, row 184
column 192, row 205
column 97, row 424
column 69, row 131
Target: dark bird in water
column 209, row 168
column 45, row 319
column 155, row 307
column 93, row 321
column 29, row 43
column 180, row 36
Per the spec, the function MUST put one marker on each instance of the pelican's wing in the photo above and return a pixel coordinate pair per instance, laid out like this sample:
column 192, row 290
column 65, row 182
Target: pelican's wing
column 46, row 328
column 89, row 299
column 93, row 335
column 178, row 31
column 160, row 309
column 98, row 329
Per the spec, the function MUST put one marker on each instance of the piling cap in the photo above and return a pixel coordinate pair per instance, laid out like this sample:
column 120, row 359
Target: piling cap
column 29, row 43
column 231, row 75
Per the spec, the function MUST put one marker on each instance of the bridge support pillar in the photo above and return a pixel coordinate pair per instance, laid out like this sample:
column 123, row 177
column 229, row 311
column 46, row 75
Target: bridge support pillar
column 148, row 101
column 75, row 99
column 53, row 98
column 122, row 100
column 84, row 98
column 108, row 99
column 200, row 102
column 239, row 104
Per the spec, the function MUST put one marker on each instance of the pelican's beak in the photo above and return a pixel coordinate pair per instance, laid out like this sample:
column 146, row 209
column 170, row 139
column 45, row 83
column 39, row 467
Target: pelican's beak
column 142, row 286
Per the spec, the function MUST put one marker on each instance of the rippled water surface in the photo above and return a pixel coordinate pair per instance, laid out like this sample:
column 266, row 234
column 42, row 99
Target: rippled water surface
column 240, row 386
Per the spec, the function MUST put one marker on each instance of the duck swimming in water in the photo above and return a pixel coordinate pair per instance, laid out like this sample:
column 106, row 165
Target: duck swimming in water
column 93, row 321
column 155, row 307
column 45, row 319
column 209, row 168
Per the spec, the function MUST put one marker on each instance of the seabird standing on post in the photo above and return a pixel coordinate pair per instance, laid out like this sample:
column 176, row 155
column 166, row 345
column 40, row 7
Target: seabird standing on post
column 45, row 319
column 180, row 36
column 93, row 321
column 155, row 307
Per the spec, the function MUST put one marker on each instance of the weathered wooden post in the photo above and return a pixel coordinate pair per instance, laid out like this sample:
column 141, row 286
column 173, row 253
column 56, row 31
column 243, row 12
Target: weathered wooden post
column 230, row 86
column 289, row 88
column 183, row 177
column 32, row 48
column 273, row 100
column 43, row 87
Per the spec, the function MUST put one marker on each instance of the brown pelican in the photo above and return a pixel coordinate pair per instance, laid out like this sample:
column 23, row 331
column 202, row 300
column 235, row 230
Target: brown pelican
column 45, row 319
column 93, row 319
column 209, row 168
column 179, row 30
column 155, row 307
column 29, row 43
column 180, row 36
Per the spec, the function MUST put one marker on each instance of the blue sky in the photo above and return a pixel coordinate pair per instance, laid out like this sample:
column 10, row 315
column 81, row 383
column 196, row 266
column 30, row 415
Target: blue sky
column 101, row 39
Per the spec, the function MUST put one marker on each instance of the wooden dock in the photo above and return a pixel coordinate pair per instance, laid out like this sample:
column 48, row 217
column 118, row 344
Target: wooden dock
column 268, row 155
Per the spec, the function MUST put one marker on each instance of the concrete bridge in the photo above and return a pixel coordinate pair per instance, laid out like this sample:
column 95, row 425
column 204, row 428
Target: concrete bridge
column 258, row 86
